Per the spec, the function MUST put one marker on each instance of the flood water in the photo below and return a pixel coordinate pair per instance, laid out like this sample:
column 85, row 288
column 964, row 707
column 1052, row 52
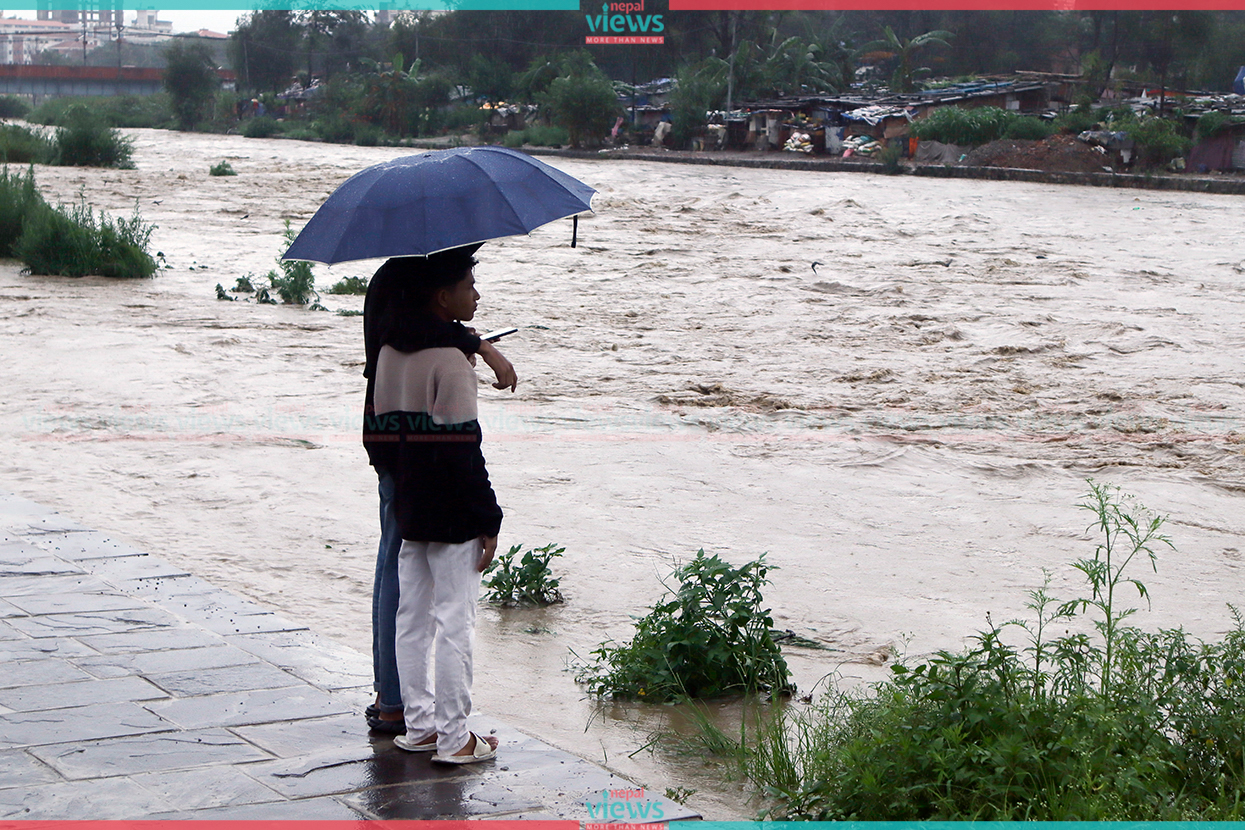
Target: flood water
column 905, row 428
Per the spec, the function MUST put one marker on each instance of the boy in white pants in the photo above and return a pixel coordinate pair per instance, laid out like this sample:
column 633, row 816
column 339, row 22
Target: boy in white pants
column 426, row 427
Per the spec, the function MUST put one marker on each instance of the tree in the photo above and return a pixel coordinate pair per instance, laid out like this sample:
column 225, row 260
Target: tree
column 581, row 99
column 190, row 79
column 904, row 51
column 264, row 50
column 340, row 35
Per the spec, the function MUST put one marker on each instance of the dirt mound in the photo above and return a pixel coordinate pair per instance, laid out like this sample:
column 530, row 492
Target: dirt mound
column 1062, row 153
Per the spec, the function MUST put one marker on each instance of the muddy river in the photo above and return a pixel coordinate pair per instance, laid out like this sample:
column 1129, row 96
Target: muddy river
column 897, row 387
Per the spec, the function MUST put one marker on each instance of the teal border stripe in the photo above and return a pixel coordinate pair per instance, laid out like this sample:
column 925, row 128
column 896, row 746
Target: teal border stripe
column 951, row 825
column 309, row 5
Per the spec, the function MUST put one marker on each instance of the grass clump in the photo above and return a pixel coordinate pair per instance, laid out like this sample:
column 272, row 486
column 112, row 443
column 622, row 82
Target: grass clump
column 261, row 127
column 12, row 106
column 73, row 242
column 349, row 285
column 974, row 127
column 86, row 140
column 530, row 582
column 19, row 145
column 18, row 199
column 223, row 168
column 1117, row 725
column 711, row 637
column 537, row 135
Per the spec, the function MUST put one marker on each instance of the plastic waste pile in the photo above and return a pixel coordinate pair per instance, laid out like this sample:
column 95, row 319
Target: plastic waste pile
column 799, row 143
column 861, row 145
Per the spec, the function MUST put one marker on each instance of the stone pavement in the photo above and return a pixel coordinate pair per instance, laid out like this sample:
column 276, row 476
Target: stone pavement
column 130, row 689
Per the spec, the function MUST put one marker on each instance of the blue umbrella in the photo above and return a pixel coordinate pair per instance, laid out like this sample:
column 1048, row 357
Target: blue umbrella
column 418, row 205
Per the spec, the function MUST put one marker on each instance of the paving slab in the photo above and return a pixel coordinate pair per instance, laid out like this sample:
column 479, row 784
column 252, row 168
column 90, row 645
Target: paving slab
column 135, row 690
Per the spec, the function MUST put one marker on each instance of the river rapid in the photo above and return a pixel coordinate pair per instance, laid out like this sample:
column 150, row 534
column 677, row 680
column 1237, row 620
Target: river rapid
column 895, row 386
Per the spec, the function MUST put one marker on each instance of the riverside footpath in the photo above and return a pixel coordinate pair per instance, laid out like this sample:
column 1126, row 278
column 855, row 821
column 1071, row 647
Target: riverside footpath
column 134, row 690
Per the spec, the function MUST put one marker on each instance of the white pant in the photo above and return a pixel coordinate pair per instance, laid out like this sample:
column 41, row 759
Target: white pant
column 439, row 585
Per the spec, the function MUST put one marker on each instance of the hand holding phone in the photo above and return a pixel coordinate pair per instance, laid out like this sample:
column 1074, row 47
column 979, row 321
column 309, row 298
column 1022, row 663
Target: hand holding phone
column 494, row 336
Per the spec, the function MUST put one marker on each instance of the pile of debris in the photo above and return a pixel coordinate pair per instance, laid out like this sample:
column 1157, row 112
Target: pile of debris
column 1058, row 153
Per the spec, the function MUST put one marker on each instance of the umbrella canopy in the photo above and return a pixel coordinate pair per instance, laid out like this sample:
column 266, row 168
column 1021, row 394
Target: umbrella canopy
column 418, row 205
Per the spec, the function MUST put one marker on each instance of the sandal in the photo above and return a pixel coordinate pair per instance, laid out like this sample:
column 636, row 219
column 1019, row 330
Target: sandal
column 482, row 752
column 408, row 744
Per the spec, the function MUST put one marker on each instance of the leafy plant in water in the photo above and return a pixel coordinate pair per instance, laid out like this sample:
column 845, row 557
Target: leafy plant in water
column 530, row 582
column 349, row 285
column 295, row 282
column 1127, row 725
column 223, row 168
column 711, row 637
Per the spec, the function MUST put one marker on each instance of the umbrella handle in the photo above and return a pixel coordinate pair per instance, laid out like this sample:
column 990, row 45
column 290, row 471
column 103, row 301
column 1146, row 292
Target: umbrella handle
column 574, row 229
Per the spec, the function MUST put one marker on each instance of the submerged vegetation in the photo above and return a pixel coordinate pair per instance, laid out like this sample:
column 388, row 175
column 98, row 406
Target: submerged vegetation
column 69, row 241
column 1026, row 724
column 712, row 637
column 529, row 582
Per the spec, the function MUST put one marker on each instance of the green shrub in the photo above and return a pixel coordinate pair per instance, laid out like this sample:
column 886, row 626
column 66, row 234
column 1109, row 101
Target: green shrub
column 892, row 159
column 537, row 135
column 13, row 107
column 301, row 134
column 530, row 582
column 72, row 242
column 1028, row 128
column 261, row 127
column 1158, row 142
column 1076, row 120
column 582, row 100
column 86, row 140
column 711, row 638
column 1213, row 122
column 126, row 111
column 223, row 168
column 334, row 128
column 971, row 127
column 18, row 199
column 19, row 145
column 1031, row 722
column 367, row 135
column 463, row 119
column 349, row 285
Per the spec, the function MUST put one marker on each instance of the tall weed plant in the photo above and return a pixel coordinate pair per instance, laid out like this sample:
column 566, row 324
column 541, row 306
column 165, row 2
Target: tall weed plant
column 18, row 199
column 293, row 280
column 1118, row 725
column 973, row 127
column 711, row 637
column 87, row 140
column 72, row 241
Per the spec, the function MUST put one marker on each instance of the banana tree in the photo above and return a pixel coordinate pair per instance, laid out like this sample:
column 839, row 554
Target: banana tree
column 904, row 50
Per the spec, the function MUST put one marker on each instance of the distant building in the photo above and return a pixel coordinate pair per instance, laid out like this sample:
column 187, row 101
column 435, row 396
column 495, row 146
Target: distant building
column 22, row 40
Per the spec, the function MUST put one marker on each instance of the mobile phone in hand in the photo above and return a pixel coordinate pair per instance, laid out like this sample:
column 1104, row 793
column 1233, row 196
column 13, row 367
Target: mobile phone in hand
column 494, row 336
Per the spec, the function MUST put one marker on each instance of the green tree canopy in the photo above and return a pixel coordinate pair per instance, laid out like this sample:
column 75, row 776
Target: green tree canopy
column 264, row 50
column 190, row 79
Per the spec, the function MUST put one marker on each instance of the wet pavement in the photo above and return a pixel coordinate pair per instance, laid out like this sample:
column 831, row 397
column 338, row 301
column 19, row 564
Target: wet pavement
column 131, row 689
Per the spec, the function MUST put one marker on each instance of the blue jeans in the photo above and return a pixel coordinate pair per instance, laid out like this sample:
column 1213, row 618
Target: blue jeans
column 385, row 601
